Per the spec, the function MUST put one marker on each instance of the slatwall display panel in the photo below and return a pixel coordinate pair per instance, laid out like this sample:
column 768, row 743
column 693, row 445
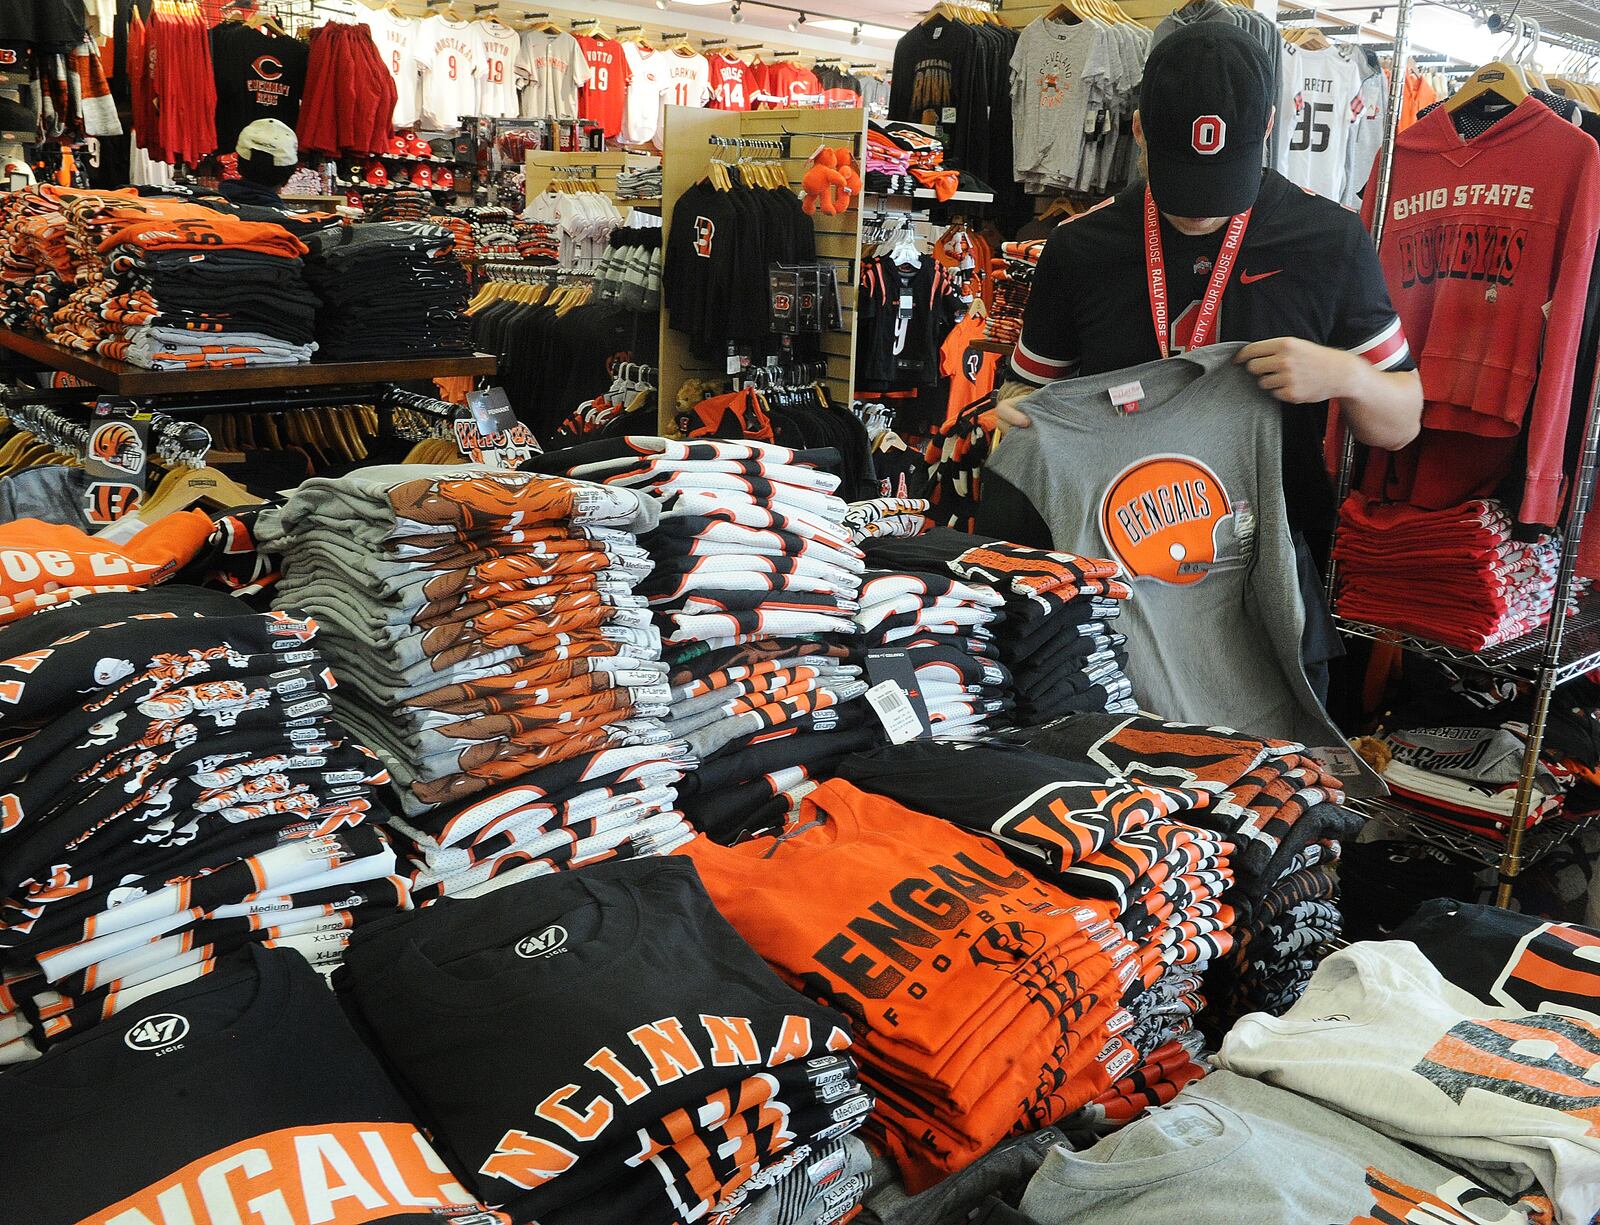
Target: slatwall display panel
column 686, row 157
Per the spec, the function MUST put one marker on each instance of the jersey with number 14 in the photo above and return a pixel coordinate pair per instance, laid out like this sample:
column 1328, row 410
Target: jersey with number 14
column 603, row 98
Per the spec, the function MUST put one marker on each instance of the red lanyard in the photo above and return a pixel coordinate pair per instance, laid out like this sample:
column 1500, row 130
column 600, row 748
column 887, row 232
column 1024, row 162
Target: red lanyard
column 1156, row 271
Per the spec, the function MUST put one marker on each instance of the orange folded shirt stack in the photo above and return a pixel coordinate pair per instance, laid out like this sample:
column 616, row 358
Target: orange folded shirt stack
column 43, row 564
column 985, row 1001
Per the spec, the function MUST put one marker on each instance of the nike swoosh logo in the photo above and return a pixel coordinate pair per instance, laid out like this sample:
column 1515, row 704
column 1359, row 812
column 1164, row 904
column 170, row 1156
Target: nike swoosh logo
column 1246, row 278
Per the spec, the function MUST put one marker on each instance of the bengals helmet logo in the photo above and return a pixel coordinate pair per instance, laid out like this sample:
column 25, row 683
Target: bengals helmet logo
column 1555, row 968
column 1165, row 518
column 972, row 364
column 1005, row 946
column 783, row 303
column 116, row 445
column 704, row 231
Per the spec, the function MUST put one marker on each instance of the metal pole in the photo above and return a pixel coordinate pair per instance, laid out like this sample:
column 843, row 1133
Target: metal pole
column 1550, row 664
column 1380, row 211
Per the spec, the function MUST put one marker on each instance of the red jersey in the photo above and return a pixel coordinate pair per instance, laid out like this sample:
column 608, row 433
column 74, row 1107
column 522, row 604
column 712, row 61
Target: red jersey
column 602, row 99
column 1488, row 251
column 733, row 83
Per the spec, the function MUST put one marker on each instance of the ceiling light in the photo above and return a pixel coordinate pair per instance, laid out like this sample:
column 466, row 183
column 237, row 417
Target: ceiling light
column 866, row 29
column 796, row 22
column 735, row 15
column 855, row 35
column 661, row 4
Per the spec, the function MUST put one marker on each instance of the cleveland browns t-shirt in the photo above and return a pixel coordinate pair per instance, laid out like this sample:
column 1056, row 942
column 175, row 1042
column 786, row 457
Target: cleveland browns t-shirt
column 234, row 1098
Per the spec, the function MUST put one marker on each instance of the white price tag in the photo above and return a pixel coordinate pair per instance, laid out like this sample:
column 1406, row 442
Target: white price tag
column 735, row 363
column 899, row 717
column 948, row 115
column 1127, row 396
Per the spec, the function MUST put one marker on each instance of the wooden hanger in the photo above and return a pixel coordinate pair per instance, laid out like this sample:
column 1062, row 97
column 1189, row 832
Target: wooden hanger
column 184, row 487
column 1496, row 77
column 262, row 19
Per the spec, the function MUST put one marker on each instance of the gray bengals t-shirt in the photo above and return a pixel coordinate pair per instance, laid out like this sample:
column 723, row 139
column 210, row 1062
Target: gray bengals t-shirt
column 1182, row 485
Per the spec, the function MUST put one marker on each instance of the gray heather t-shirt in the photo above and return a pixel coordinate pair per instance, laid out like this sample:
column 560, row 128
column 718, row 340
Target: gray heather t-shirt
column 1230, row 1150
column 1058, row 73
column 1186, row 493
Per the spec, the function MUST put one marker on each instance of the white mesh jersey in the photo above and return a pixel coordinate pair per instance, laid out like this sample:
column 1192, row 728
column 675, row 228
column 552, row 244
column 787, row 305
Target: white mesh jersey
column 497, row 71
column 450, row 54
column 397, row 39
column 641, row 115
column 1320, row 110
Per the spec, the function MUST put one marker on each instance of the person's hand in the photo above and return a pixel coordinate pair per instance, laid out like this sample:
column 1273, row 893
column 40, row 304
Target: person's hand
column 1298, row 372
column 1008, row 412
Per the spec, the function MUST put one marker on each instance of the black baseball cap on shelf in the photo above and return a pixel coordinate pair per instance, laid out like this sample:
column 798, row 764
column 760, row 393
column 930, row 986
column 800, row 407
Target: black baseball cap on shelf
column 1204, row 104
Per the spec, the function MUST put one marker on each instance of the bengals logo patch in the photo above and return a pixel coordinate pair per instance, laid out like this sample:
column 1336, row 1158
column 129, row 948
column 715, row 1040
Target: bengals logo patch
column 704, row 231
column 116, row 445
column 1168, row 518
column 1555, row 968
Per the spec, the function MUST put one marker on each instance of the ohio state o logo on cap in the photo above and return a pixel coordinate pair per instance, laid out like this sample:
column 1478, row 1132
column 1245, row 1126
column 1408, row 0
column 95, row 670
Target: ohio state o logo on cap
column 1209, row 134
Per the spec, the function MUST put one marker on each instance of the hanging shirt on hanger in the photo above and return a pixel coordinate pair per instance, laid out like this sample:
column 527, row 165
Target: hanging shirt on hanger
column 497, row 81
column 641, row 114
column 449, row 56
column 258, row 76
column 551, row 67
column 397, row 40
column 685, row 81
column 603, row 96
column 1058, row 73
column 732, row 85
column 1320, row 106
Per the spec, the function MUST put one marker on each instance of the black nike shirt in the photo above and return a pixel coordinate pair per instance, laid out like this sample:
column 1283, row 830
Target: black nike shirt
column 1306, row 268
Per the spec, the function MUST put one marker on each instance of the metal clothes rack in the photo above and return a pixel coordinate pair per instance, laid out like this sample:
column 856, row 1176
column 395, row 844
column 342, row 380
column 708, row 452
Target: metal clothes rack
column 1544, row 659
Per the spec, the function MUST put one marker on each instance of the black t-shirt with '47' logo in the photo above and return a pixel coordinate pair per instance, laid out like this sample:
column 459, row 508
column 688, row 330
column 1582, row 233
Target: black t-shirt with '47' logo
column 600, row 1046
column 243, row 1096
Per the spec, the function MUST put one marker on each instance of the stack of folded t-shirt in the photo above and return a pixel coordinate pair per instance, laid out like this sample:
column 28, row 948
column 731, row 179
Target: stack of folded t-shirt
column 641, row 183
column 755, row 588
column 389, row 289
column 177, row 787
column 944, row 627
column 1102, row 838
column 36, row 268
column 681, row 1069
column 1466, row 777
column 1055, row 637
column 1280, row 810
column 984, row 998
column 175, row 286
column 1456, row 576
column 498, row 659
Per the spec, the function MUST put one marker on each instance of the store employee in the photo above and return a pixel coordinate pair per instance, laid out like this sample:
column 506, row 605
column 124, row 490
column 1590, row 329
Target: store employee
column 1295, row 272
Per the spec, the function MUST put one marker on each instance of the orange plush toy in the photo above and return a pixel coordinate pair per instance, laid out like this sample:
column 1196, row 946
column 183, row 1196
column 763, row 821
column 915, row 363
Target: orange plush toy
column 831, row 184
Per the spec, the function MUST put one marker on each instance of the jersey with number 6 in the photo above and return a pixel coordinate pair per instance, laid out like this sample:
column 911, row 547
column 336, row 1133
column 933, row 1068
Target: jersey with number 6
column 497, row 76
column 397, row 39
column 603, row 98
column 1320, row 110
column 449, row 53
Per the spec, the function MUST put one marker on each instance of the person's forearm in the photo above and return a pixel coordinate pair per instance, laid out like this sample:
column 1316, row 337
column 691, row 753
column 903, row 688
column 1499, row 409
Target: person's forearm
column 1382, row 408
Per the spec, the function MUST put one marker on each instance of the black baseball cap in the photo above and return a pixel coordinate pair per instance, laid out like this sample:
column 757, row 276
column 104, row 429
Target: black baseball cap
column 1204, row 105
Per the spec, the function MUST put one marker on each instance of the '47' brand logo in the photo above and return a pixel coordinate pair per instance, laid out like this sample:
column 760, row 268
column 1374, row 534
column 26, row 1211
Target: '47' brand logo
column 158, row 1033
